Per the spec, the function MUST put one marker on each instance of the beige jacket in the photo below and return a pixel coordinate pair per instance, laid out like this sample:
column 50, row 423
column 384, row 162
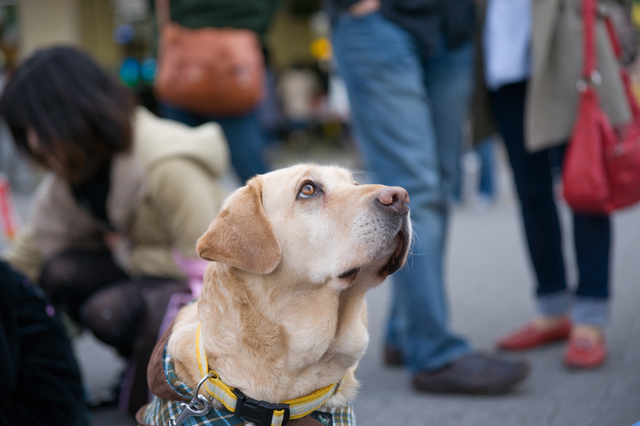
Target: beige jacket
column 163, row 196
column 552, row 98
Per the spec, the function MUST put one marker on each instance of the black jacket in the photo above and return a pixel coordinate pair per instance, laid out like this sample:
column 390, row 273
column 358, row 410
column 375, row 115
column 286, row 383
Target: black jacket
column 39, row 375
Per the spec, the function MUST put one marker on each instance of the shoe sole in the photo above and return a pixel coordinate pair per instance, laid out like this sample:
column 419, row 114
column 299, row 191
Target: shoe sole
column 586, row 366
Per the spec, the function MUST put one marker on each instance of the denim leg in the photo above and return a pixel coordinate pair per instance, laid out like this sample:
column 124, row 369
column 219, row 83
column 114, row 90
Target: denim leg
column 181, row 115
column 244, row 134
column 393, row 116
column 246, row 143
column 534, row 185
column 448, row 78
column 486, row 152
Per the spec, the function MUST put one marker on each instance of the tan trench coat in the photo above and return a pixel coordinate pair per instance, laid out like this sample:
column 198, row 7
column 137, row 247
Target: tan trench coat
column 552, row 96
column 163, row 196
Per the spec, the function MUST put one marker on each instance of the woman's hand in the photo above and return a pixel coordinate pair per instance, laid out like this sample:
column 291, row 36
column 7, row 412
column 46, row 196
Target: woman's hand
column 113, row 240
column 120, row 248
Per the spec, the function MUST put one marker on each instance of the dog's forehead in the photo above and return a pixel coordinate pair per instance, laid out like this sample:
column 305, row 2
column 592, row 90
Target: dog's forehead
column 287, row 180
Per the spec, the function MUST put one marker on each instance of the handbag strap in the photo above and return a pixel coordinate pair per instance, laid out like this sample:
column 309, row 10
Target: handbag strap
column 615, row 40
column 163, row 13
column 589, row 19
column 626, row 79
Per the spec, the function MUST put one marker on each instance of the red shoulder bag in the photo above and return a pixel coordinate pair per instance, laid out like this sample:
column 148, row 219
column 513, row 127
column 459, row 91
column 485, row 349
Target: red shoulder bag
column 601, row 170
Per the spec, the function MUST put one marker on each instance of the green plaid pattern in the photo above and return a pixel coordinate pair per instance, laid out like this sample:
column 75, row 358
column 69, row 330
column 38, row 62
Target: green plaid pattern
column 160, row 411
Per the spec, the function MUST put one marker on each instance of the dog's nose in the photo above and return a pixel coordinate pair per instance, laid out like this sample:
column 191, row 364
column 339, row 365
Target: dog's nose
column 395, row 198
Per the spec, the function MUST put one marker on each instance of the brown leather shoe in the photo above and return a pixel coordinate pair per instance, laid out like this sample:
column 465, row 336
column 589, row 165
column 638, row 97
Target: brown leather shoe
column 474, row 374
column 392, row 357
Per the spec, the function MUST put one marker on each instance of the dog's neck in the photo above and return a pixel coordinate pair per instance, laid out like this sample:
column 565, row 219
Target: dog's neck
column 270, row 330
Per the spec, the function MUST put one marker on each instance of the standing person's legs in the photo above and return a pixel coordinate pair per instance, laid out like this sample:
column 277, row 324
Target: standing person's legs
column 393, row 121
column 246, row 143
column 534, row 185
column 486, row 152
column 244, row 134
column 448, row 77
column 592, row 242
column 181, row 115
column 592, row 236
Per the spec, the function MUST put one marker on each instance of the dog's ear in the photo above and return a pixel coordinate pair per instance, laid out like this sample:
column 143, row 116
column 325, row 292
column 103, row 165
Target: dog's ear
column 241, row 235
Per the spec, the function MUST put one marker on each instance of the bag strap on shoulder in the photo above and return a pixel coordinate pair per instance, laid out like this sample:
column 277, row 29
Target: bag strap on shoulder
column 589, row 28
column 163, row 13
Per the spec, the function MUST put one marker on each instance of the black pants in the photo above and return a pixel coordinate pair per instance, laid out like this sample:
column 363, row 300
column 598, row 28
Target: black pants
column 534, row 179
column 120, row 311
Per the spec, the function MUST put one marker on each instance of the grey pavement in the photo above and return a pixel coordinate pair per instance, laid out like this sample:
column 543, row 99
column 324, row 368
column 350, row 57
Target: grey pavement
column 490, row 287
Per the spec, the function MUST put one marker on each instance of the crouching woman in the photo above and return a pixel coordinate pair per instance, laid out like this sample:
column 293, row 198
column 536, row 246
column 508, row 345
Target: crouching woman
column 126, row 194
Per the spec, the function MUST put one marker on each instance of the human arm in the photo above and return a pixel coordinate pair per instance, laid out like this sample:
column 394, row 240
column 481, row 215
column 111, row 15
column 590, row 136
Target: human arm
column 185, row 198
column 55, row 223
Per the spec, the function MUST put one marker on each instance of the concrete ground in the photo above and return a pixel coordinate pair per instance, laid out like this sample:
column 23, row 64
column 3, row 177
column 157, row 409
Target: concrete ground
column 490, row 286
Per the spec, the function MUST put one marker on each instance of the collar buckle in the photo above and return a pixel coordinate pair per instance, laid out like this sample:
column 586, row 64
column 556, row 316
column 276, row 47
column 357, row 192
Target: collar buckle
column 258, row 412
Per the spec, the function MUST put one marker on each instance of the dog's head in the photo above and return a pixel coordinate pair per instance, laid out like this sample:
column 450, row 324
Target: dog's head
column 312, row 223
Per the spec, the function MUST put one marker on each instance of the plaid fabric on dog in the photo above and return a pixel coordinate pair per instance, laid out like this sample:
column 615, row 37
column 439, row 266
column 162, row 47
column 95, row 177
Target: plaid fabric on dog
column 160, row 411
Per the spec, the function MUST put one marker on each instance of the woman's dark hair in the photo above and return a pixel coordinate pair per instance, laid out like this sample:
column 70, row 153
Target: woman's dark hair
column 81, row 116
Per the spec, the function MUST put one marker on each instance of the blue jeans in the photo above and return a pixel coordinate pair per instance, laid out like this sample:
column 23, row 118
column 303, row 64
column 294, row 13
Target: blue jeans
column 486, row 152
column 533, row 175
column 244, row 134
column 407, row 112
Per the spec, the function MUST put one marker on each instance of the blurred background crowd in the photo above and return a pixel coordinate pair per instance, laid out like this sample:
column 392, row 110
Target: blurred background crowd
column 306, row 101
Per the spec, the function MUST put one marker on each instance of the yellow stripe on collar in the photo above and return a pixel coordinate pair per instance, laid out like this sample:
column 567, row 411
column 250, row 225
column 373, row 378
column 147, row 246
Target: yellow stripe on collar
column 298, row 407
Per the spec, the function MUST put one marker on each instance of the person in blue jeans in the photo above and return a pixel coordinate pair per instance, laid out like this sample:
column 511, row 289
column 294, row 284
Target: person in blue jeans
column 244, row 133
column 408, row 72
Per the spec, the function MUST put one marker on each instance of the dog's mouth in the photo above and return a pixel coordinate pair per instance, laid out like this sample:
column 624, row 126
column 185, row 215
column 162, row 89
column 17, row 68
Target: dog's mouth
column 396, row 261
column 350, row 275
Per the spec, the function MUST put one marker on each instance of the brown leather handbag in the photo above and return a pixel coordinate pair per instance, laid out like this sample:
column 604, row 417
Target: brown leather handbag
column 209, row 71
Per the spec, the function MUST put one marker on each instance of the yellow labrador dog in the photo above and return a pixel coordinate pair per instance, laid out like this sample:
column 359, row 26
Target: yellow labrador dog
column 282, row 315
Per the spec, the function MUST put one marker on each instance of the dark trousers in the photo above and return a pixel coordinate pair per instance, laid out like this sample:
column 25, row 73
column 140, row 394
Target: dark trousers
column 534, row 179
column 124, row 312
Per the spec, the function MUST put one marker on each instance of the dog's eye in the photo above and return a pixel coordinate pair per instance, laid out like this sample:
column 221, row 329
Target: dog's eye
column 307, row 190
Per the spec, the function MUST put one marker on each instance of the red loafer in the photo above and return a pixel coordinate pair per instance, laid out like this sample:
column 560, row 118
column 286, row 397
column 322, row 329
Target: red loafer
column 530, row 336
column 585, row 353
